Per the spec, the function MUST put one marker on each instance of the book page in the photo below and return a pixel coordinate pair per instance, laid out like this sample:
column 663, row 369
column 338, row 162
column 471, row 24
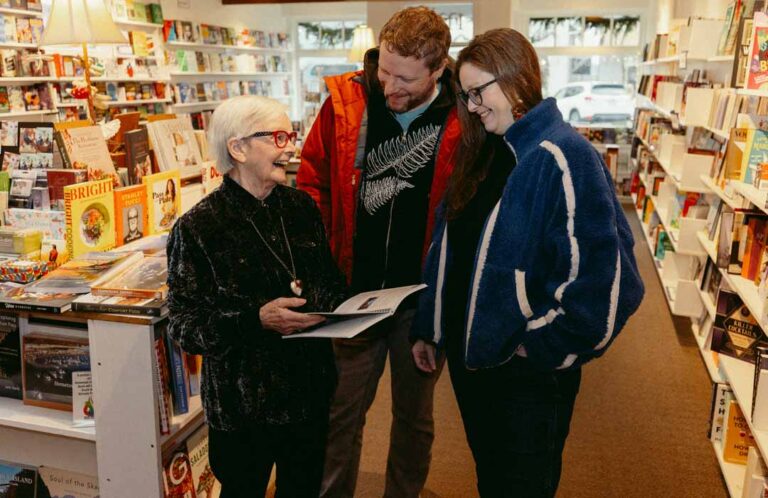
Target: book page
column 373, row 302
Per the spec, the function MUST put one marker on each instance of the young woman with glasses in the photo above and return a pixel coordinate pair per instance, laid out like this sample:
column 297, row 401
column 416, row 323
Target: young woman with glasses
column 531, row 271
column 242, row 263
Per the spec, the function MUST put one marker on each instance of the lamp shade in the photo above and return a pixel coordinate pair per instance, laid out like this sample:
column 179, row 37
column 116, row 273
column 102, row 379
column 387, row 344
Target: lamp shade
column 80, row 21
column 362, row 40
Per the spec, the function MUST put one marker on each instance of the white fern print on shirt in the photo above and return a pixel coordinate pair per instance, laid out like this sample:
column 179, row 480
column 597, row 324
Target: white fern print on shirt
column 406, row 155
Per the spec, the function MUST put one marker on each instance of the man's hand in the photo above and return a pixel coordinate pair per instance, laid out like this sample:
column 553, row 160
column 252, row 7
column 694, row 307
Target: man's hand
column 276, row 315
column 424, row 356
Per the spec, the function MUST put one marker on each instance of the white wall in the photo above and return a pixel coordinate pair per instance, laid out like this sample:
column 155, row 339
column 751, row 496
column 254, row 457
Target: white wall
column 266, row 17
column 328, row 10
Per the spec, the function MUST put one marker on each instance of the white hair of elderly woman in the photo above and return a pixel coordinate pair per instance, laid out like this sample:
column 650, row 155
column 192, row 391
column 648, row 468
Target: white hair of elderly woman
column 239, row 117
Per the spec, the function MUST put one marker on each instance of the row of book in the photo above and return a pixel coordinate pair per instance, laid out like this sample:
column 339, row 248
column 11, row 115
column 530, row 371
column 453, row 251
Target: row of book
column 138, row 11
column 34, row 6
column 20, row 29
column 190, row 32
column 214, row 91
column 131, row 91
column 185, row 61
column 25, row 481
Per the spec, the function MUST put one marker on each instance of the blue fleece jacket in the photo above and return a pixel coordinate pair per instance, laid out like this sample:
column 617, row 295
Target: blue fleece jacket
column 555, row 278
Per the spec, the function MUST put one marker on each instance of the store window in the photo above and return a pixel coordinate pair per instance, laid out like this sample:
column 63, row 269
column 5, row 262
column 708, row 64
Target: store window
column 326, row 35
column 587, row 31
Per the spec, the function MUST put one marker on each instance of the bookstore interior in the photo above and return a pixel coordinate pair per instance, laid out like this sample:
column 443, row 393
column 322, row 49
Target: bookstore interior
column 104, row 108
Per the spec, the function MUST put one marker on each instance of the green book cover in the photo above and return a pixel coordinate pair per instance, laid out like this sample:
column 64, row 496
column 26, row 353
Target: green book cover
column 757, row 153
column 157, row 13
column 5, row 181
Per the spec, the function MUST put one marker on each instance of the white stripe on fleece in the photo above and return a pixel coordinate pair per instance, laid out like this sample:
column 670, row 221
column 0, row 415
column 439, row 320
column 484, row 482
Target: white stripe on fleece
column 613, row 306
column 568, row 361
column 545, row 320
column 479, row 267
column 439, row 289
column 522, row 296
column 570, row 203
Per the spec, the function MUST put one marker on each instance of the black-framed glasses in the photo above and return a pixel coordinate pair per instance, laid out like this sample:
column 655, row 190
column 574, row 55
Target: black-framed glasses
column 475, row 95
column 280, row 137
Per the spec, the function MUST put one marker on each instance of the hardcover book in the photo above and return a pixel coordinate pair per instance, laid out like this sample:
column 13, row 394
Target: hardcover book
column 48, row 363
column 130, row 214
column 85, row 148
column 174, row 143
column 163, row 381
column 60, row 178
column 23, row 30
column 23, row 300
column 122, row 305
column 10, row 357
column 206, row 485
column 163, row 200
column 57, row 483
column 77, row 275
column 757, row 76
column 90, row 215
column 177, row 476
column 17, row 481
column 179, row 376
column 737, row 437
column 736, row 332
column 147, row 279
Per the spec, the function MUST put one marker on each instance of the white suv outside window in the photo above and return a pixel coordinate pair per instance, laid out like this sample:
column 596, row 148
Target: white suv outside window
column 592, row 102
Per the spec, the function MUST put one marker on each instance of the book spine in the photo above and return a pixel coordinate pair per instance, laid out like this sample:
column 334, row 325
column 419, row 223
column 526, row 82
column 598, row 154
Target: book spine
column 163, row 398
column 62, row 150
column 115, row 308
column 68, row 235
column 178, row 381
column 147, row 294
column 35, row 307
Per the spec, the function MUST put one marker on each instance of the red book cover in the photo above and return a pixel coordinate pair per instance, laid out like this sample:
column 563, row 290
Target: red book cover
column 757, row 78
column 177, row 476
column 60, row 178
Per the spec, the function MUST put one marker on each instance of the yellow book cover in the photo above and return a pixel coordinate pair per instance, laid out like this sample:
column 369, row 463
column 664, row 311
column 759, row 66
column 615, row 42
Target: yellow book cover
column 130, row 214
column 90, row 216
column 163, row 200
column 738, row 437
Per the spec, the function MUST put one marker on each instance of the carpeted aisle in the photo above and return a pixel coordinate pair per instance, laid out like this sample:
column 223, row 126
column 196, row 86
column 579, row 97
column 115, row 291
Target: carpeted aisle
column 639, row 429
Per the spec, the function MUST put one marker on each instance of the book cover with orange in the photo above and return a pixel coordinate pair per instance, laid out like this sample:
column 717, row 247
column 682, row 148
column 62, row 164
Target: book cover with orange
column 130, row 214
column 738, row 438
column 89, row 209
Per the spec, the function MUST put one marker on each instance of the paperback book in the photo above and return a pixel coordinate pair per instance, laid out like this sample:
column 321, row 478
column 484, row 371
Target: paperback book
column 130, row 214
column 164, row 200
column 90, row 215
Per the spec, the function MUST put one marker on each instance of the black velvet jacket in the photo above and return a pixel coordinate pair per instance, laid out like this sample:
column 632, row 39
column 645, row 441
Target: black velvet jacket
column 220, row 273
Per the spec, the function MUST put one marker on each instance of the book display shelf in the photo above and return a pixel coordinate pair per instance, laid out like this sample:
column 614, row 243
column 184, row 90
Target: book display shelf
column 122, row 351
column 701, row 196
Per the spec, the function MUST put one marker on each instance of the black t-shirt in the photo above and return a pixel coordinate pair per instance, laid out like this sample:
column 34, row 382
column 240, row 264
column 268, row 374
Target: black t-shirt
column 464, row 237
column 394, row 195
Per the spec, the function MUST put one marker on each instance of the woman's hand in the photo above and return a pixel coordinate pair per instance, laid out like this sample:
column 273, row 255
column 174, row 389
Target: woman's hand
column 276, row 315
column 424, row 356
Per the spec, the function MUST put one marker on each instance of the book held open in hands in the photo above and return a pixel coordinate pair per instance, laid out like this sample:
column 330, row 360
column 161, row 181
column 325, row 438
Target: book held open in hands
column 359, row 313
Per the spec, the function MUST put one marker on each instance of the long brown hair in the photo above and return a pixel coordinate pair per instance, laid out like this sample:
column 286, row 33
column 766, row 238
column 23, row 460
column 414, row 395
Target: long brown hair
column 512, row 60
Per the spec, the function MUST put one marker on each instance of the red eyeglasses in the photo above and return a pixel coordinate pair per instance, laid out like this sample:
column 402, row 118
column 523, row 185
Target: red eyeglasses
column 280, row 137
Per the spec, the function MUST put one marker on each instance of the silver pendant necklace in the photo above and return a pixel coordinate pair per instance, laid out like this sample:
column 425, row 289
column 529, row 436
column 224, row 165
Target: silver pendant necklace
column 296, row 284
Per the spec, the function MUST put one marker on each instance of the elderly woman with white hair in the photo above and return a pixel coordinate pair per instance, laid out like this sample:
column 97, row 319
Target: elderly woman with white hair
column 242, row 263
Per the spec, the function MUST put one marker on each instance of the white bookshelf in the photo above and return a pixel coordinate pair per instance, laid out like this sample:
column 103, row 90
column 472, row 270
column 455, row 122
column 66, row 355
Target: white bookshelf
column 131, row 25
column 20, row 12
column 125, row 103
column 26, row 114
column 707, row 356
column 259, row 74
column 27, row 80
column 18, row 45
column 190, row 105
column 14, row 413
column 733, row 474
column 223, row 48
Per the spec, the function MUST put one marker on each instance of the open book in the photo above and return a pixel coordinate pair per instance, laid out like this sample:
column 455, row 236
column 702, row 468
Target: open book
column 359, row 313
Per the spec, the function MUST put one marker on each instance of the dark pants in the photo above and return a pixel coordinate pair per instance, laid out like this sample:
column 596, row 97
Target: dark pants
column 516, row 420
column 242, row 460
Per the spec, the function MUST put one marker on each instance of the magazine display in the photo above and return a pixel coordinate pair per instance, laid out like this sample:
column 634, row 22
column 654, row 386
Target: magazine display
column 77, row 275
column 359, row 313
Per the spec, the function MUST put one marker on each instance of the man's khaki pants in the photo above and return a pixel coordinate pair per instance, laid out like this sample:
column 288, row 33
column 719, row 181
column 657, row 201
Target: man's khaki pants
column 360, row 362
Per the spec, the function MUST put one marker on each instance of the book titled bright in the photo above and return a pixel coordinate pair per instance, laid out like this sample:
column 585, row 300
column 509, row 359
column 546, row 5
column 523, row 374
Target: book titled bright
column 90, row 213
column 130, row 214
column 164, row 200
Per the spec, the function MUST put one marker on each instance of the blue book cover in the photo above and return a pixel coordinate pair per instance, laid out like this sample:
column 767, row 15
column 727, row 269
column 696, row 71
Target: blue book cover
column 178, row 377
column 17, row 481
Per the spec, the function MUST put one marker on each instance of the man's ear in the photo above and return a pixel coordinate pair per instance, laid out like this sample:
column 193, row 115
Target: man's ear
column 440, row 70
column 235, row 148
